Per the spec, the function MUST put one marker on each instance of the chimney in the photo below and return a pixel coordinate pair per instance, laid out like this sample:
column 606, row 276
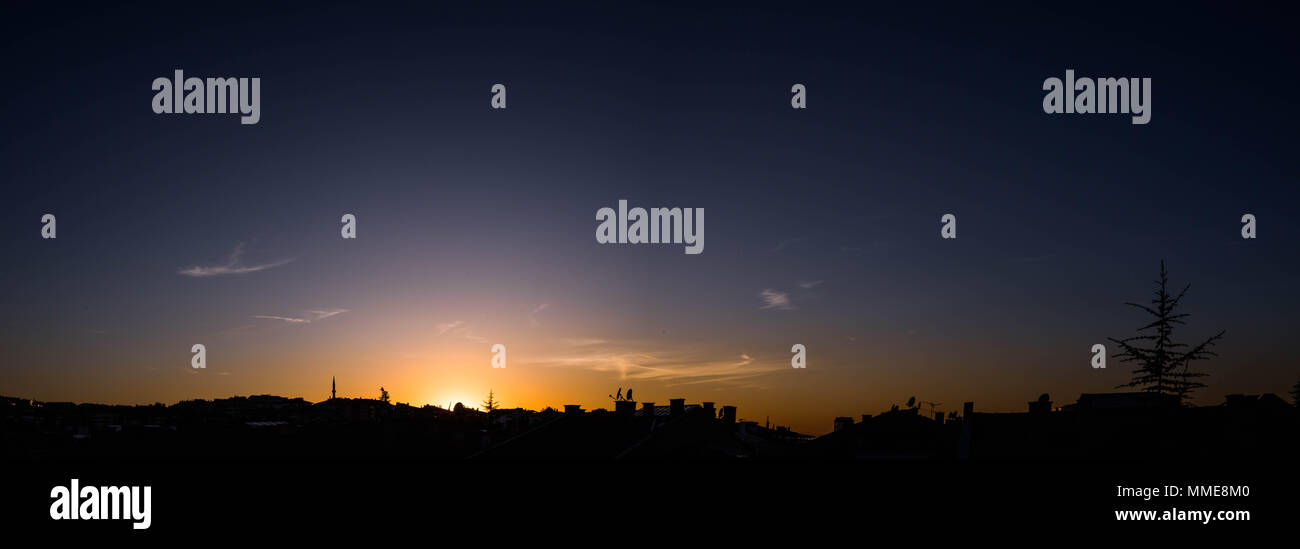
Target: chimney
column 938, row 418
column 648, row 410
column 729, row 414
column 572, row 409
column 967, row 430
column 677, row 406
column 710, row 410
column 624, row 409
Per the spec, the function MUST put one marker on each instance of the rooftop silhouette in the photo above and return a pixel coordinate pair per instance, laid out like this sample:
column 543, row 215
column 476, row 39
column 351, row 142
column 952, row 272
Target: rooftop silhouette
column 1096, row 426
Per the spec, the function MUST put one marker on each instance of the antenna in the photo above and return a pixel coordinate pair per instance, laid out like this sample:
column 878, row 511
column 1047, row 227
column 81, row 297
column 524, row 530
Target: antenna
column 931, row 405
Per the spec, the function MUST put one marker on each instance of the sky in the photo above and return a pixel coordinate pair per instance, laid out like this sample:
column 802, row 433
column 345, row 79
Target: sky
column 475, row 226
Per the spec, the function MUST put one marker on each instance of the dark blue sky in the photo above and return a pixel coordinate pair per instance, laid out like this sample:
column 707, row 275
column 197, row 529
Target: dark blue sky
column 472, row 215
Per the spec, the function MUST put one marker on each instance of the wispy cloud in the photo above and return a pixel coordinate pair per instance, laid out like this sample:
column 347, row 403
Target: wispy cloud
column 532, row 317
column 306, row 317
column 458, row 328
column 284, row 318
column 237, row 331
column 631, row 361
column 773, row 299
column 317, row 314
column 785, row 243
column 809, row 284
column 581, row 342
column 449, row 326
column 232, row 266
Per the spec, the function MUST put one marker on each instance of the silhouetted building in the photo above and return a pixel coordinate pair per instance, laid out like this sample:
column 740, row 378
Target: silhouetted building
column 1098, row 426
column 1042, row 405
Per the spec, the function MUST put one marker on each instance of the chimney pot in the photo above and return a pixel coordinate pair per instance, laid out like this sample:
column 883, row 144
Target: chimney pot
column 729, row 414
column 677, row 406
column 624, row 408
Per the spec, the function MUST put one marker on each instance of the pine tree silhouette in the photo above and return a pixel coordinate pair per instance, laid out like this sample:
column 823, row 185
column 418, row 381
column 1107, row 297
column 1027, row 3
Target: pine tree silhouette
column 1164, row 365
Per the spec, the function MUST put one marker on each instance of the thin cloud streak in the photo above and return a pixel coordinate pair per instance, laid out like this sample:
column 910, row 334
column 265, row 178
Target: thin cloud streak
column 232, row 266
column 632, row 363
column 306, row 317
column 458, row 328
column 783, row 244
column 532, row 317
column 284, row 318
column 449, row 326
column 773, row 299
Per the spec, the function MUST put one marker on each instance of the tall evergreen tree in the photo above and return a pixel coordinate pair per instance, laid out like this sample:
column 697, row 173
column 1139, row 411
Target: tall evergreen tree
column 1163, row 364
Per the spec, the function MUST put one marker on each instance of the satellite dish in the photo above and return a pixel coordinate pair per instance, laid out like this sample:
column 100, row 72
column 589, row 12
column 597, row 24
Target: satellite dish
column 911, row 402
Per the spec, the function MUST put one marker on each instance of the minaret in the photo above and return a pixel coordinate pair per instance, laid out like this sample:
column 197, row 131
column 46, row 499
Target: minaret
column 333, row 389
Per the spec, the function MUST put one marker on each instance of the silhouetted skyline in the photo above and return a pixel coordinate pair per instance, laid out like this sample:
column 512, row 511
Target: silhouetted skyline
column 1131, row 425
